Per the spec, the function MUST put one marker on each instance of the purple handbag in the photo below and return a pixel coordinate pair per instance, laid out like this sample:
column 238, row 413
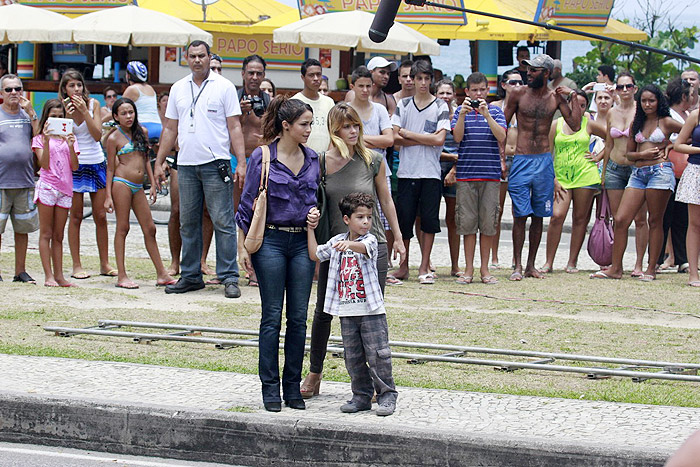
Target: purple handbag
column 600, row 240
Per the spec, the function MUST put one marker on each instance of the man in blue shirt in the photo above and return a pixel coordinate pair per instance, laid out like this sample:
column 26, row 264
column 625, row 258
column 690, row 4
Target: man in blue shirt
column 478, row 128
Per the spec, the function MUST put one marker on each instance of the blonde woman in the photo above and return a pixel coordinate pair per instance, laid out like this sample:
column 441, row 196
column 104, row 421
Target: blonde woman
column 350, row 168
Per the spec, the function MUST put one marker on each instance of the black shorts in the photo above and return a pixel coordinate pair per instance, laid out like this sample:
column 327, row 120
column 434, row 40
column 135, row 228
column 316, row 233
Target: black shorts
column 418, row 197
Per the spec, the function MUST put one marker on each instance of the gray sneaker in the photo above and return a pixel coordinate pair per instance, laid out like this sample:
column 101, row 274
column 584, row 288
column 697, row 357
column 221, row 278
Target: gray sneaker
column 231, row 290
column 353, row 407
column 386, row 408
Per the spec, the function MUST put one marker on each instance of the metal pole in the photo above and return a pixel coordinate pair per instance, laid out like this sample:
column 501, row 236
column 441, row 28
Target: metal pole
column 557, row 28
column 434, row 358
column 423, row 345
column 204, row 12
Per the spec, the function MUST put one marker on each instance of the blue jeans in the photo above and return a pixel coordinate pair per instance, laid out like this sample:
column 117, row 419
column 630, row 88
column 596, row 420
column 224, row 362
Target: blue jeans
column 200, row 184
column 282, row 265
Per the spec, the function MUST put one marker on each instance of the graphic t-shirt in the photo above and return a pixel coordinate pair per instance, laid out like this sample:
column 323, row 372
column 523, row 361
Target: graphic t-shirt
column 319, row 139
column 351, row 286
column 16, row 156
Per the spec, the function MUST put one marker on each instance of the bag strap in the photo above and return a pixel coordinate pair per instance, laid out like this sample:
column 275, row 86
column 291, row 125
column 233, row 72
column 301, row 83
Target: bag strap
column 322, row 164
column 605, row 211
column 264, row 168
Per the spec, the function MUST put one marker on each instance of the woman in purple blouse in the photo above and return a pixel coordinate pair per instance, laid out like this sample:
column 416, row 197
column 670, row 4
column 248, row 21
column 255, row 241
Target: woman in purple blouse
column 282, row 263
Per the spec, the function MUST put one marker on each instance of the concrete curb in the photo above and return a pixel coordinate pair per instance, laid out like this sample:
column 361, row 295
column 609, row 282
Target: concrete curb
column 267, row 439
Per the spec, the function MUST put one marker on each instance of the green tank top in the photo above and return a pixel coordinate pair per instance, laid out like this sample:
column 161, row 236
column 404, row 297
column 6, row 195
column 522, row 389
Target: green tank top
column 571, row 167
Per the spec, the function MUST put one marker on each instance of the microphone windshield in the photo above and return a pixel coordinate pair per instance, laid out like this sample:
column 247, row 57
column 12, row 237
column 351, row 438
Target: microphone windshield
column 383, row 20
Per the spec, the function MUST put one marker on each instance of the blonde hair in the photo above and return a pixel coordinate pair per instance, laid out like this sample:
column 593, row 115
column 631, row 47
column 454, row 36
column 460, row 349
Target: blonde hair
column 338, row 116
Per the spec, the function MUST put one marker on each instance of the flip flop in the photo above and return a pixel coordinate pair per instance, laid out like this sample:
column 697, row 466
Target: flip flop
column 69, row 284
column 24, row 277
column 494, row 266
column 426, row 279
column 694, row 284
column 636, row 274
column 647, row 278
column 110, row 273
column 48, row 284
column 548, row 270
column 127, row 285
column 571, row 270
column 80, row 275
column 253, row 283
column 601, row 275
column 490, row 280
column 465, row 280
column 457, row 274
column 163, row 284
column 213, row 281
column 516, row 276
column 391, row 280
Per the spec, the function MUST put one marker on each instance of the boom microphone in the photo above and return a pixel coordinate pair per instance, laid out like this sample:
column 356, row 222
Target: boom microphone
column 383, row 20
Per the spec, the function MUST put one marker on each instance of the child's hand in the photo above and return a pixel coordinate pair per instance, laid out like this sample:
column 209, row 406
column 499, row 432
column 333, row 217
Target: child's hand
column 70, row 139
column 342, row 245
column 153, row 194
column 45, row 130
column 312, row 218
column 109, row 205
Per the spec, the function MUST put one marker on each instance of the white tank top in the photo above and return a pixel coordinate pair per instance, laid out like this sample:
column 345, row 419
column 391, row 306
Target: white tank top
column 147, row 108
column 90, row 150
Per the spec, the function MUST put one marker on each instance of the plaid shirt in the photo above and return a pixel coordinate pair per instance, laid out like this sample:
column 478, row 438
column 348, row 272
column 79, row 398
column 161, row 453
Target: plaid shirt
column 370, row 276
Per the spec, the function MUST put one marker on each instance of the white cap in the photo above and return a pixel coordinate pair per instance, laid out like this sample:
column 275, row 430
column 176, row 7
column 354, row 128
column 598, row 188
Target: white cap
column 381, row 62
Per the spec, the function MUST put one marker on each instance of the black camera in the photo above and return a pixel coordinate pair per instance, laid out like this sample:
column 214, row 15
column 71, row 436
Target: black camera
column 474, row 104
column 258, row 105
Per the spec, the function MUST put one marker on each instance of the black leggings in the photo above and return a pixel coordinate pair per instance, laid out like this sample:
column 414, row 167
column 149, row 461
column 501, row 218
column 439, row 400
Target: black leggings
column 321, row 326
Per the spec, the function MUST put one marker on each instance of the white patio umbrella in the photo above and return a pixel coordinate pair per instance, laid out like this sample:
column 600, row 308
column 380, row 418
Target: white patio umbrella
column 21, row 23
column 349, row 29
column 131, row 25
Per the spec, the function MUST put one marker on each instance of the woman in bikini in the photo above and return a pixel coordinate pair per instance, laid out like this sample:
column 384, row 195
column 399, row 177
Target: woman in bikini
column 126, row 166
column 651, row 181
column 617, row 168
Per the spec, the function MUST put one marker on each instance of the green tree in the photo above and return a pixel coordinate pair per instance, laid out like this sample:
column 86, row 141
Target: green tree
column 646, row 67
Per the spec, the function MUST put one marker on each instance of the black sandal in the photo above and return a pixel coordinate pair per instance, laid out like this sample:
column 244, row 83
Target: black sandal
column 24, row 277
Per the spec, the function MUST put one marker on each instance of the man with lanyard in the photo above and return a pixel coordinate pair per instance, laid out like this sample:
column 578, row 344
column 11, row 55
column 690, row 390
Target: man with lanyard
column 203, row 115
column 18, row 122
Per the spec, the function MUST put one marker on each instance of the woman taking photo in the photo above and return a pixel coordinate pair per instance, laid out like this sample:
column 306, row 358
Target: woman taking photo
column 576, row 180
column 652, row 179
column 350, row 168
column 282, row 262
column 92, row 170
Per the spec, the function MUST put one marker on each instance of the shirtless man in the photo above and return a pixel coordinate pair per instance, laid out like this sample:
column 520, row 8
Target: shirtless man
column 408, row 89
column 381, row 68
column 531, row 179
column 692, row 77
column 254, row 102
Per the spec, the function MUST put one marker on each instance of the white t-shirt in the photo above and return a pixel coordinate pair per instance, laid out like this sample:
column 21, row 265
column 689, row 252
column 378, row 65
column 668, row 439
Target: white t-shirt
column 206, row 137
column 378, row 121
column 420, row 161
column 319, row 138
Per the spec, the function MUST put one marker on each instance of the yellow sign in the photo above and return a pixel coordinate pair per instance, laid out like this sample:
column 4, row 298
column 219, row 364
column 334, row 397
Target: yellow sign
column 234, row 48
column 574, row 12
column 75, row 6
column 406, row 14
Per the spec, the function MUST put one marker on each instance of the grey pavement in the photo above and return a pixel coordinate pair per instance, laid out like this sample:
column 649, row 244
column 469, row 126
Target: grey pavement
column 624, row 434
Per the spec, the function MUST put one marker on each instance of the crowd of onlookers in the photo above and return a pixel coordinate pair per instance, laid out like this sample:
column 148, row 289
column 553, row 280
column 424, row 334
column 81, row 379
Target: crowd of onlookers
column 384, row 162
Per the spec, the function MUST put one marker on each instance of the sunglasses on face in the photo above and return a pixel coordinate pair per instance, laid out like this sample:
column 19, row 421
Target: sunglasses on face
column 620, row 87
column 110, row 96
column 515, row 82
column 16, row 89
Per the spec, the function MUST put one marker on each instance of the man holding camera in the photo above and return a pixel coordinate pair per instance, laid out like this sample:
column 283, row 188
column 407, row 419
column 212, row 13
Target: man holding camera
column 479, row 128
column 253, row 100
column 203, row 115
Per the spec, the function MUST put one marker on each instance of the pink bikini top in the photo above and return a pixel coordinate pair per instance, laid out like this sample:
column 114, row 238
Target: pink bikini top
column 657, row 136
column 615, row 133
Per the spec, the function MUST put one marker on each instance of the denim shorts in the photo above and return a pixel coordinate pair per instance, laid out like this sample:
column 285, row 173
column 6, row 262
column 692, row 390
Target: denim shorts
column 617, row 176
column 657, row 176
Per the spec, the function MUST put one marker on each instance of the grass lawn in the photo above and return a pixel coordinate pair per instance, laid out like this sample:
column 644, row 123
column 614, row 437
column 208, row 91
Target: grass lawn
column 563, row 313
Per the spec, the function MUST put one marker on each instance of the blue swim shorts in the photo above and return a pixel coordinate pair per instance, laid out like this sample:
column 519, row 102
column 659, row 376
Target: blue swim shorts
column 657, row 177
column 531, row 185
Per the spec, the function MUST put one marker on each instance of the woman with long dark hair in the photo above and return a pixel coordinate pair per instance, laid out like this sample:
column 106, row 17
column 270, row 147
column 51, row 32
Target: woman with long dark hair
column 282, row 262
column 652, row 179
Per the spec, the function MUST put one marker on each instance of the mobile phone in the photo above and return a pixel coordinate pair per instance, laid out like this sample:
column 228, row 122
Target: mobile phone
column 599, row 87
column 223, row 168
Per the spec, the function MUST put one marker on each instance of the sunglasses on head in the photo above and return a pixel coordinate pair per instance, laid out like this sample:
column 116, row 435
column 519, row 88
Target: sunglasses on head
column 514, row 82
column 620, row 87
column 17, row 89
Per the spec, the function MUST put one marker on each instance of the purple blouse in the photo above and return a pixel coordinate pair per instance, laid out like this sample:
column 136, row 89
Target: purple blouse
column 289, row 196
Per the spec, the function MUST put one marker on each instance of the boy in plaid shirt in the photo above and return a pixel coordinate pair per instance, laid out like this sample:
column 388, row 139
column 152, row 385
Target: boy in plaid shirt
column 354, row 295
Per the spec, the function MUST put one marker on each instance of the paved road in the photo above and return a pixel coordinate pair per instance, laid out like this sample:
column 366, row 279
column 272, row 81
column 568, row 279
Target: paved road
column 29, row 455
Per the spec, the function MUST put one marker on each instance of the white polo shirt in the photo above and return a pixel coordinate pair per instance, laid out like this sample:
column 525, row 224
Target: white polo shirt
column 203, row 137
